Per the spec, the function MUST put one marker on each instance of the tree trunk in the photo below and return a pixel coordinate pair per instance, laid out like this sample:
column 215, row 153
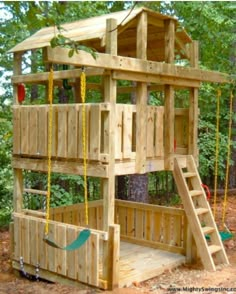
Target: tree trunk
column 138, row 188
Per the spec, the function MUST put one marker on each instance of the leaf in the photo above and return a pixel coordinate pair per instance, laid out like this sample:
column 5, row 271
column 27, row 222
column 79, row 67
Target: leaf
column 71, row 52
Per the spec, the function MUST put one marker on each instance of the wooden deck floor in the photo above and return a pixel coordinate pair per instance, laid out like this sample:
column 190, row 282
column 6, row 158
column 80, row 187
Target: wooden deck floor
column 139, row 263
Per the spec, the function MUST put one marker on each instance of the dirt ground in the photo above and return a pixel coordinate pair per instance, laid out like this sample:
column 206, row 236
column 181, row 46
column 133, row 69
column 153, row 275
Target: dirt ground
column 185, row 279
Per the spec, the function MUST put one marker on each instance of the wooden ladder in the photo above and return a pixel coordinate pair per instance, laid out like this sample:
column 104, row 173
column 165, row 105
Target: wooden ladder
column 199, row 213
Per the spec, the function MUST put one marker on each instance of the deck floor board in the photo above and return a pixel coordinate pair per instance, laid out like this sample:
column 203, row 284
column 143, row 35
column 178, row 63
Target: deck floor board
column 139, row 263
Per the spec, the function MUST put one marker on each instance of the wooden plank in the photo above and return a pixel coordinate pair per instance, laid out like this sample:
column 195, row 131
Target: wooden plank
column 82, row 260
column 16, row 130
column 72, row 131
column 118, row 131
column 148, row 225
column 87, row 130
column 108, row 61
column 17, row 238
column 75, row 168
column 25, row 239
column 24, row 130
column 62, row 132
column 127, row 131
column 169, row 26
column 72, row 265
column 61, row 255
column 42, row 131
column 43, row 248
column 122, row 217
column 130, row 222
column 17, row 70
column 95, row 132
column 93, row 260
column 157, row 226
column 153, row 78
column 159, row 131
column 150, row 131
column 113, row 257
column 139, row 224
column 33, row 242
column 33, row 131
column 177, row 230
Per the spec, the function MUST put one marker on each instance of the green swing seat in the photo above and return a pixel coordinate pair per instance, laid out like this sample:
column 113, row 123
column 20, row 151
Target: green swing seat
column 76, row 244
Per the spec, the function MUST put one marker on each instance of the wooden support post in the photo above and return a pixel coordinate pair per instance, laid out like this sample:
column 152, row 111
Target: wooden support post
column 141, row 98
column 169, row 96
column 193, row 106
column 18, row 190
column 108, row 185
column 17, row 70
column 113, row 256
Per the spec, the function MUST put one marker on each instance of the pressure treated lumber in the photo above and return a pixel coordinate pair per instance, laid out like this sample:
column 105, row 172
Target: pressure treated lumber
column 112, row 62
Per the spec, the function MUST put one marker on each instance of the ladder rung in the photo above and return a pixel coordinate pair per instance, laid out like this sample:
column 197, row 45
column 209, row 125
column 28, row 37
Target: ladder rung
column 34, row 213
column 35, row 191
column 201, row 210
column 195, row 193
column 214, row 248
column 208, row 230
column 189, row 174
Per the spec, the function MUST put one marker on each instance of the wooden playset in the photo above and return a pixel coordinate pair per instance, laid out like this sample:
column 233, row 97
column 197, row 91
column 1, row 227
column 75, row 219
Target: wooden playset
column 126, row 241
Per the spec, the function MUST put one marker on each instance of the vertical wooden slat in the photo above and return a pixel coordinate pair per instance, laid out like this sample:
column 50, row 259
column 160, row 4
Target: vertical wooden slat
column 127, row 131
column 34, row 242
column 24, row 130
column 42, row 131
column 148, row 225
column 61, row 254
column 17, row 237
column 139, row 224
column 25, row 240
column 72, row 265
column 93, row 259
column 62, row 131
column 130, row 222
column 33, row 131
column 95, row 132
column 177, row 230
column 118, row 131
column 82, row 260
column 123, row 220
column 54, row 130
column 167, row 229
column 150, row 131
column 43, row 248
column 16, row 130
column 51, row 252
column 156, row 226
column 72, row 131
column 80, row 130
column 159, row 132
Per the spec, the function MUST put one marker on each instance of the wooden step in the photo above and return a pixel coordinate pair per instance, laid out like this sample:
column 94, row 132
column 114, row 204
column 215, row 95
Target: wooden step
column 208, row 230
column 35, row 191
column 200, row 211
column 189, row 174
column 195, row 193
column 214, row 249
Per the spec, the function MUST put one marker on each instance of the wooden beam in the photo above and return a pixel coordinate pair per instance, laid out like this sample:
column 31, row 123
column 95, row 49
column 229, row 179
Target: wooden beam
column 156, row 79
column 193, row 106
column 169, row 41
column 112, row 62
column 64, row 167
column 58, row 75
column 169, row 96
column 141, row 98
column 17, row 70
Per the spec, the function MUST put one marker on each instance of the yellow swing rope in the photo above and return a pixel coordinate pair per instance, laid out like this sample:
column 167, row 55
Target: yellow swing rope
column 50, row 98
column 216, row 150
column 228, row 160
column 85, row 151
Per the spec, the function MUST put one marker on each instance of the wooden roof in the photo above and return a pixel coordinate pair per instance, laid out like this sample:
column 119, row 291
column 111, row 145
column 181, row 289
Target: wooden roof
column 91, row 32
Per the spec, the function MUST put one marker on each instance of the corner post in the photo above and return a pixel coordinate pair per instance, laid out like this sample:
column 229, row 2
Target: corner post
column 193, row 106
column 18, row 174
column 169, row 115
column 141, row 102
